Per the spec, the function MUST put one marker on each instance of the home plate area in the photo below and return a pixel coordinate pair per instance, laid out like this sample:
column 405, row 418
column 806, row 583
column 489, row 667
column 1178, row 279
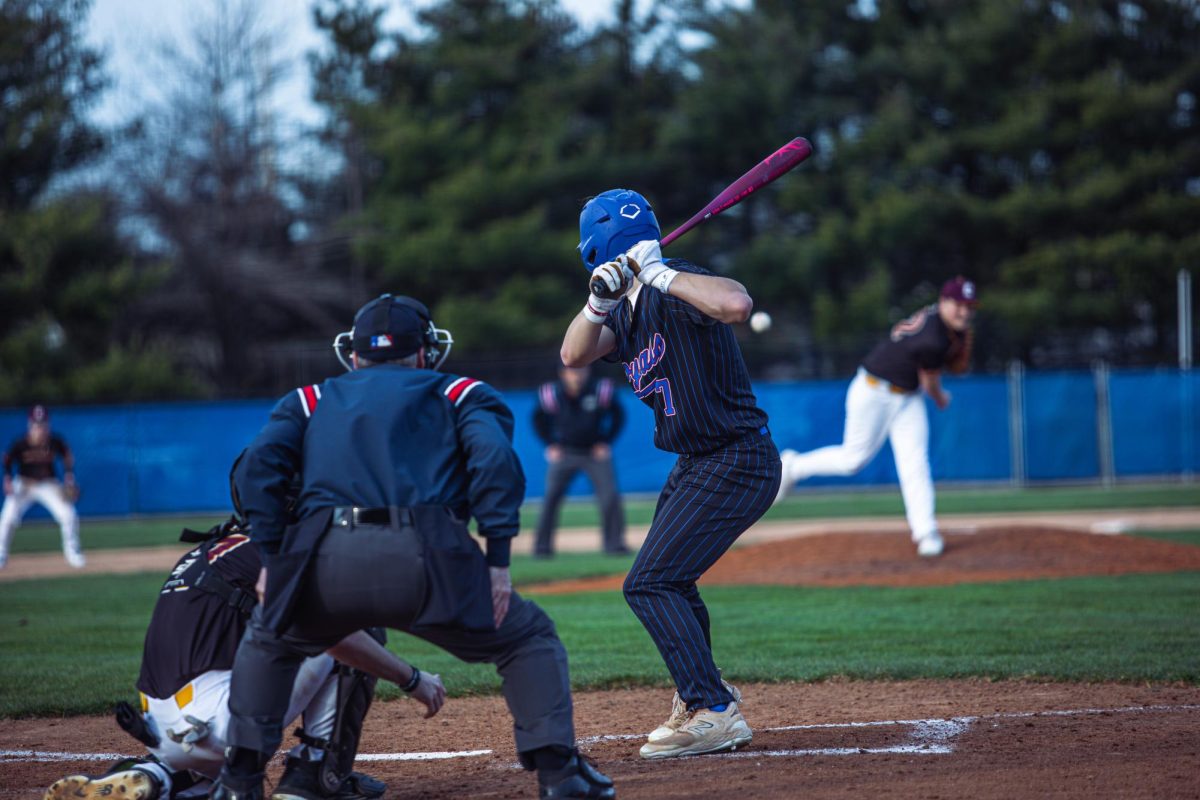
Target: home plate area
column 838, row 739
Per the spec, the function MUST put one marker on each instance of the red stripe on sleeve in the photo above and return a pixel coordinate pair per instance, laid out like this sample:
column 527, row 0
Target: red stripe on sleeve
column 457, row 390
column 310, row 398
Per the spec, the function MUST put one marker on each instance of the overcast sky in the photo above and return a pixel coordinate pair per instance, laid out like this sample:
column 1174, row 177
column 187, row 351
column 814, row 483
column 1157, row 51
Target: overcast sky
column 128, row 30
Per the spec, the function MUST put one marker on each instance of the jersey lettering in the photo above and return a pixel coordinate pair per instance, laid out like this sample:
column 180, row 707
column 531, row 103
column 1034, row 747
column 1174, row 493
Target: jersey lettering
column 661, row 386
column 646, row 360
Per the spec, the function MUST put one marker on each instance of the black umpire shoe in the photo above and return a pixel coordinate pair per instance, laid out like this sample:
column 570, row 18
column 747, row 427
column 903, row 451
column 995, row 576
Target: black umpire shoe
column 577, row 778
column 301, row 780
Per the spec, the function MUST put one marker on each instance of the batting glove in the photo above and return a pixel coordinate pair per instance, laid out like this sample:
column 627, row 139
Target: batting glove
column 615, row 276
column 648, row 265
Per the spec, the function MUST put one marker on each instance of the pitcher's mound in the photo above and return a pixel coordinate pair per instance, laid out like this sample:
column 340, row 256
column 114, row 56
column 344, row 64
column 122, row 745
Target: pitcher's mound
column 889, row 559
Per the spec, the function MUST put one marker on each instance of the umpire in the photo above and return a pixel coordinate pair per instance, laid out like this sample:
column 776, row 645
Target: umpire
column 393, row 459
column 578, row 417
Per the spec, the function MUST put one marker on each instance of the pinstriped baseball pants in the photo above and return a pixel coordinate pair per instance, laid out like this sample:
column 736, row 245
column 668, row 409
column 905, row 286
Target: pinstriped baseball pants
column 707, row 503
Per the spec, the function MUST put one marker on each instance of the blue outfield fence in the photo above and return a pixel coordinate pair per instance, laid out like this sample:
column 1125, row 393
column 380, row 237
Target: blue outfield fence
column 163, row 458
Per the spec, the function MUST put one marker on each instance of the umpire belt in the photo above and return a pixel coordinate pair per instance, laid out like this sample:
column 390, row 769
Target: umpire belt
column 353, row 516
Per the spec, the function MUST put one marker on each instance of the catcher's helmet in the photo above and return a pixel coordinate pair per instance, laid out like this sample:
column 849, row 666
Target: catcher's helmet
column 388, row 328
column 611, row 223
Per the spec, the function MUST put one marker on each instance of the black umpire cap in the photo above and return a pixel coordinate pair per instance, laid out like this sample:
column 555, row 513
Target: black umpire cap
column 390, row 327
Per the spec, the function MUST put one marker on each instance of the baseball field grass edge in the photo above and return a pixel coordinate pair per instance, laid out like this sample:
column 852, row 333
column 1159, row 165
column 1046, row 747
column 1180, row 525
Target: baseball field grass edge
column 42, row 536
column 73, row 645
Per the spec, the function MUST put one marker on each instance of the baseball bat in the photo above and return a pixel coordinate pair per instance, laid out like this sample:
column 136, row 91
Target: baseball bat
column 773, row 166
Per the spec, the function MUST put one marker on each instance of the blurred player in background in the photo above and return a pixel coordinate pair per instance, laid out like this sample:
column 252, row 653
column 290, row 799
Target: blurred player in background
column 668, row 324
column 198, row 621
column 884, row 402
column 578, row 417
column 36, row 481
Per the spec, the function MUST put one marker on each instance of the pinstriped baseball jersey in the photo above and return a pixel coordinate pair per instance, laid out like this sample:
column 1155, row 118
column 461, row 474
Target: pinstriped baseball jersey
column 686, row 366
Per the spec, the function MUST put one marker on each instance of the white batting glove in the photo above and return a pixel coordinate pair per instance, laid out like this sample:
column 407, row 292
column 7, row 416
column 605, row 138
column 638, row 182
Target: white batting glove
column 615, row 276
column 649, row 266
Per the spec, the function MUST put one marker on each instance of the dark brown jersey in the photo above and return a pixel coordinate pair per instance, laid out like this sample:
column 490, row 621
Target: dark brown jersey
column 920, row 342
column 192, row 630
column 36, row 461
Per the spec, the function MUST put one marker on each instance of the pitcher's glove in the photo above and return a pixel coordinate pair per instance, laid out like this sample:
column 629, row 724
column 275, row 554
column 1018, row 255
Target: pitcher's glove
column 70, row 491
column 958, row 360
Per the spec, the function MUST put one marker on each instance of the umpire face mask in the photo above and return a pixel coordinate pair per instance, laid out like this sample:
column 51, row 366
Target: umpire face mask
column 390, row 328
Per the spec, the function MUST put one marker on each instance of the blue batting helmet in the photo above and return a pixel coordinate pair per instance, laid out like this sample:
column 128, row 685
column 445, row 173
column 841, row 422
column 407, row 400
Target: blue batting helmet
column 611, row 223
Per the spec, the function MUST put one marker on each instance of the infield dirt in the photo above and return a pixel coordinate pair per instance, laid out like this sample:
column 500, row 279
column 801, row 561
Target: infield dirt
column 1101, row 748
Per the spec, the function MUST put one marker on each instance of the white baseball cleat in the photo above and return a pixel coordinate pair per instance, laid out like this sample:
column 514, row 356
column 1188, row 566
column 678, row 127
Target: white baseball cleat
column 705, row 731
column 930, row 545
column 75, row 559
column 786, row 482
column 679, row 713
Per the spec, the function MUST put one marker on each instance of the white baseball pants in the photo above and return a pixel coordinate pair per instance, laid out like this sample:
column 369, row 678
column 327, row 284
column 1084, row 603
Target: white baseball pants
column 874, row 413
column 49, row 494
column 205, row 701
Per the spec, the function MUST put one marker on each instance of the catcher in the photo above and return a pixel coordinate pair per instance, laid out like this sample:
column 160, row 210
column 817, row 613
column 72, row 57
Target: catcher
column 33, row 456
column 884, row 401
column 190, row 645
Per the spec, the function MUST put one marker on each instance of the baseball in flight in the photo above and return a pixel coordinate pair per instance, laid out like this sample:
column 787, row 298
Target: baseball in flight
column 760, row 321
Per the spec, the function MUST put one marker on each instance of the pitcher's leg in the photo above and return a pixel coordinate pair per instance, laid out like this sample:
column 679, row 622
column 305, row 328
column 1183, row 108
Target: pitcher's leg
column 869, row 411
column 910, row 444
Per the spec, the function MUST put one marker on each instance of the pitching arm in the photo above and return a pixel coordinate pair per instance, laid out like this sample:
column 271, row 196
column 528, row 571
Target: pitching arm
column 931, row 382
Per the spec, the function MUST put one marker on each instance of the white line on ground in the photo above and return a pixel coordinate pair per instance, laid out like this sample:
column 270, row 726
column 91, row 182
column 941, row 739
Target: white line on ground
column 929, row 736
column 29, row 756
column 420, row 756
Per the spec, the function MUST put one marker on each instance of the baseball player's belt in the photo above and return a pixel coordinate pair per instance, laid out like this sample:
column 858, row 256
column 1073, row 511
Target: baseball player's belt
column 882, row 384
column 351, row 516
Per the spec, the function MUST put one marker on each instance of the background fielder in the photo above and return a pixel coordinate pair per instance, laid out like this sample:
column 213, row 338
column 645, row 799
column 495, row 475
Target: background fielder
column 578, row 417
column 884, row 402
column 33, row 456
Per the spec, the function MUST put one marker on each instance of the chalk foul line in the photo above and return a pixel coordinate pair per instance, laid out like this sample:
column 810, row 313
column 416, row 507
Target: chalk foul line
column 933, row 736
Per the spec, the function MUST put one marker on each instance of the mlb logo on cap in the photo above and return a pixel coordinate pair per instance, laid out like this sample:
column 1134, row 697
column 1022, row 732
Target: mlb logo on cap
column 382, row 340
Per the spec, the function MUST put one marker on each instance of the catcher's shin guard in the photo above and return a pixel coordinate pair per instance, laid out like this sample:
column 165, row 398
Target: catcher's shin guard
column 355, row 691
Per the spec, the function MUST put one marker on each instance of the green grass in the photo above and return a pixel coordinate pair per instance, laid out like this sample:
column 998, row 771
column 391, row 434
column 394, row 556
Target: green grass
column 155, row 531
column 72, row 645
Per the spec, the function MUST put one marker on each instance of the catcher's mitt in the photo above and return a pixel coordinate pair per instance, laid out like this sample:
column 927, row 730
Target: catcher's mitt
column 958, row 360
column 70, row 492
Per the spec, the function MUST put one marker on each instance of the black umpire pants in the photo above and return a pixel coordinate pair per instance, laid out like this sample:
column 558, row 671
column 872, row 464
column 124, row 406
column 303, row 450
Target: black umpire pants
column 559, row 475
column 374, row 576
